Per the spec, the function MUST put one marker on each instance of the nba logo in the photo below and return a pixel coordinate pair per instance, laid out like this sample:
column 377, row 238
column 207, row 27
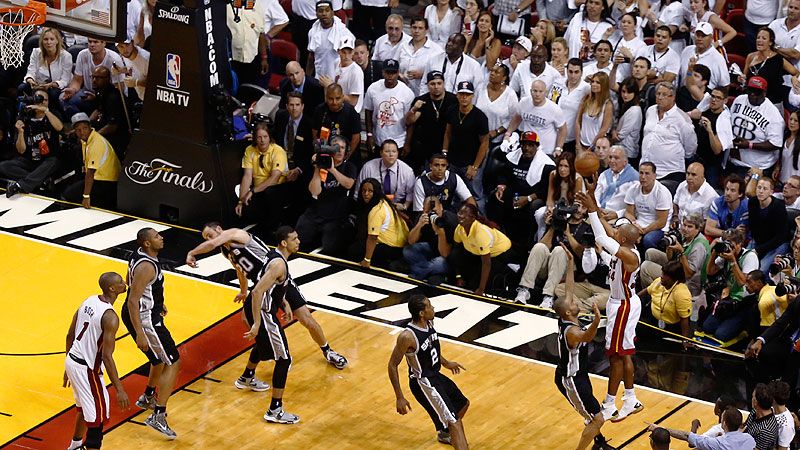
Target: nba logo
column 173, row 70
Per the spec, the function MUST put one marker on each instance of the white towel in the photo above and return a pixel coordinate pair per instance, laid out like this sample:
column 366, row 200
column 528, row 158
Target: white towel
column 540, row 159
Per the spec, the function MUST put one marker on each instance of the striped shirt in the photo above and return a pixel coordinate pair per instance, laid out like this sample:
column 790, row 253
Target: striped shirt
column 764, row 430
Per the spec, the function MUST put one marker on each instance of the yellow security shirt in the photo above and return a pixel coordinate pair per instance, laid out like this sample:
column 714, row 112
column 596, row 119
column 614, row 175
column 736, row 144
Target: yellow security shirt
column 770, row 306
column 482, row 240
column 100, row 156
column 391, row 230
column 264, row 163
column 670, row 305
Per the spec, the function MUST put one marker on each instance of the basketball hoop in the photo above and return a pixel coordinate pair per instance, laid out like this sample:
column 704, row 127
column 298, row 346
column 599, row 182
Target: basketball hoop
column 15, row 23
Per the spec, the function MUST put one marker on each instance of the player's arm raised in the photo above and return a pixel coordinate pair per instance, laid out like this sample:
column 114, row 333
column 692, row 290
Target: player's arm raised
column 230, row 235
column 275, row 272
column 110, row 324
column 70, row 339
column 626, row 255
column 405, row 343
column 143, row 274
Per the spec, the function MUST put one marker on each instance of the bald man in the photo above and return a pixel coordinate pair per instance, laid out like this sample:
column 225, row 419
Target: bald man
column 297, row 81
column 614, row 183
column 694, row 195
column 623, row 307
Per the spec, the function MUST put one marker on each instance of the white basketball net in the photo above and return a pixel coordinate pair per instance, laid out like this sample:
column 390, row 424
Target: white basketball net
column 12, row 35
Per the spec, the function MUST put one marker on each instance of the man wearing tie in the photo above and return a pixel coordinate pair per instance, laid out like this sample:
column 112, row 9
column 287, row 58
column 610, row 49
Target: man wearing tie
column 292, row 131
column 396, row 177
column 297, row 81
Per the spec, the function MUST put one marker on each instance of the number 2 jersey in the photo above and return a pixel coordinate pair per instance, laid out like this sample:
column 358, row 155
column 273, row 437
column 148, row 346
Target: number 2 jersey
column 152, row 301
column 424, row 361
column 88, row 342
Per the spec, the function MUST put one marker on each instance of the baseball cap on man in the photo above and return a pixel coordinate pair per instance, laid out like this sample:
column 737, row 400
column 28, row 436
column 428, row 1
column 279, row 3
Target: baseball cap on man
column 525, row 43
column 435, row 75
column 391, row 65
column 529, row 136
column 346, row 42
column 324, row 2
column 465, row 87
column 757, row 83
column 705, row 28
column 79, row 117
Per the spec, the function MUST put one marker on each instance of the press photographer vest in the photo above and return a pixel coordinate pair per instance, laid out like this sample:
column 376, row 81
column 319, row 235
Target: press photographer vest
column 736, row 290
column 701, row 240
column 445, row 191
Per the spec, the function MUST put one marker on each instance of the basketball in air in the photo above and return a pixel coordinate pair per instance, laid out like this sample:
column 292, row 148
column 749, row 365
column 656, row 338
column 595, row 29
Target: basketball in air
column 587, row 164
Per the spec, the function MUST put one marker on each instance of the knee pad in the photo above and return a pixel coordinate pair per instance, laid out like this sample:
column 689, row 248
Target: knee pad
column 94, row 437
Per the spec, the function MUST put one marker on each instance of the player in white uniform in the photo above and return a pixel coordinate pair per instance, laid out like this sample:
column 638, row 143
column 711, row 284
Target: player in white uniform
column 96, row 326
column 623, row 308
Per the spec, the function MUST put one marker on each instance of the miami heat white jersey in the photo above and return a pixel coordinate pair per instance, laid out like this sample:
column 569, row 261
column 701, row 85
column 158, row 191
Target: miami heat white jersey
column 88, row 342
column 622, row 282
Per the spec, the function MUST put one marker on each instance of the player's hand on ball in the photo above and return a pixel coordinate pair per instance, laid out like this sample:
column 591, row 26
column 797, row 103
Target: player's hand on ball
column 403, row 407
column 122, row 399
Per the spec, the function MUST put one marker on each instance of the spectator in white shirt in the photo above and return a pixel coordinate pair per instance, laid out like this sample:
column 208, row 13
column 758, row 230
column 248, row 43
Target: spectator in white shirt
column 50, row 66
column 443, row 20
column 614, row 183
column 416, row 53
column 498, row 102
column 627, row 47
column 323, row 38
column 649, row 206
column 536, row 68
column 628, row 129
column 519, row 53
column 388, row 46
column 592, row 20
column 704, row 53
column 538, row 113
column 456, row 66
column 757, row 14
column 348, row 75
column 669, row 135
column 275, row 18
column 385, row 107
column 781, row 392
column 81, row 84
column 694, row 195
column 396, row 177
column 602, row 60
column 758, row 129
column 568, row 95
column 665, row 63
column 787, row 31
column 136, row 61
column 369, row 16
column 788, row 164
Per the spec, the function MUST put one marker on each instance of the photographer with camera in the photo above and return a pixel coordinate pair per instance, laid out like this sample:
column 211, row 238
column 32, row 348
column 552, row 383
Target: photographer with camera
column 37, row 143
column 321, row 223
column 688, row 246
column 430, row 242
column 548, row 258
column 769, row 222
column 727, row 266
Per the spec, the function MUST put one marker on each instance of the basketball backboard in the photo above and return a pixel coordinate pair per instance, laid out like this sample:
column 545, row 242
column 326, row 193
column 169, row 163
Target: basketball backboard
column 101, row 19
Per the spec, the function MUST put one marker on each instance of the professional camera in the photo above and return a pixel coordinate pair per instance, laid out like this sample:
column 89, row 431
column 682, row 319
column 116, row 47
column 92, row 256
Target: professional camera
column 256, row 119
column 325, row 154
column 671, row 237
column 585, row 237
column 433, row 217
column 34, row 99
column 782, row 262
column 790, row 286
column 561, row 214
column 723, row 246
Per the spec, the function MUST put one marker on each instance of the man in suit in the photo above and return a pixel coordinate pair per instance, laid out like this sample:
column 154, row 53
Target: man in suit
column 292, row 131
column 297, row 81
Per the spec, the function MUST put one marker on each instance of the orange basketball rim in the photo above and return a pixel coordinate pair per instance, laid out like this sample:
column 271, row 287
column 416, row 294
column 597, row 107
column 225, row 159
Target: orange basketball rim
column 15, row 24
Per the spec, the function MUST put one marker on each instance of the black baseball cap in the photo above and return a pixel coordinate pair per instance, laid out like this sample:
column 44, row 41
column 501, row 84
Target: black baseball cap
column 391, row 65
column 465, row 87
column 435, row 75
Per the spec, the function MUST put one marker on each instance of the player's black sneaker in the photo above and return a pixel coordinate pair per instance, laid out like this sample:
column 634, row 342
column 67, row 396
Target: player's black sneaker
column 600, row 443
column 158, row 422
column 444, row 437
column 146, row 401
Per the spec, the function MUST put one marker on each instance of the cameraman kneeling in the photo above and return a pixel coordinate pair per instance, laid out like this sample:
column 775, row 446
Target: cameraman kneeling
column 430, row 242
column 548, row 258
column 729, row 264
column 37, row 144
column 691, row 250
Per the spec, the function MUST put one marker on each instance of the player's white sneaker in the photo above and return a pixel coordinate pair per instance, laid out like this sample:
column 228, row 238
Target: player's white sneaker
column 336, row 360
column 523, row 295
column 254, row 384
column 547, row 301
column 159, row 423
column 610, row 411
column 630, row 406
column 280, row 416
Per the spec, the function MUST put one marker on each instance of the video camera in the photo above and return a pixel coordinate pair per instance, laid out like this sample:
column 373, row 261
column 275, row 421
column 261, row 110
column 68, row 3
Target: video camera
column 324, row 152
column 561, row 215
column 433, row 217
column 29, row 100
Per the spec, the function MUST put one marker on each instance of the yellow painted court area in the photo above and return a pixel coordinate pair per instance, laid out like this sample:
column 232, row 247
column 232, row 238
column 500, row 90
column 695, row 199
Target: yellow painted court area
column 41, row 287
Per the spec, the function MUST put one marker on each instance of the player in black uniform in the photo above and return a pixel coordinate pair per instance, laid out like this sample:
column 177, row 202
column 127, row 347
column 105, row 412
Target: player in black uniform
column 143, row 315
column 572, row 376
column 440, row 397
column 247, row 253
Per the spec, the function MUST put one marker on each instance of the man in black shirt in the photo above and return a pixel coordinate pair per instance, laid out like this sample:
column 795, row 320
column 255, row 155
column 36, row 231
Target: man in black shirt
column 467, row 133
column 338, row 117
column 373, row 70
column 322, row 221
column 37, row 144
column 520, row 193
column 109, row 118
column 761, row 422
column 297, row 81
column 430, row 241
column 427, row 120
column 713, row 137
column 689, row 96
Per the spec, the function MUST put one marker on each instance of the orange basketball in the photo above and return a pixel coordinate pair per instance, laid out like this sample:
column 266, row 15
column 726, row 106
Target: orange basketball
column 587, row 164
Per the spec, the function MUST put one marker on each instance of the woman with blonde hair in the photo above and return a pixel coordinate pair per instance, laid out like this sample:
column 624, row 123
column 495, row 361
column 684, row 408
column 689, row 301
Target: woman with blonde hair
column 50, row 67
column 559, row 55
column 595, row 115
column 543, row 33
column 483, row 46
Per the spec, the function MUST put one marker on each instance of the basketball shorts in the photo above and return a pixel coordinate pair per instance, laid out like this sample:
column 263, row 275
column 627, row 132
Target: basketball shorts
column 91, row 395
column 162, row 346
column 294, row 296
column 271, row 343
column 623, row 315
column 440, row 397
column 578, row 391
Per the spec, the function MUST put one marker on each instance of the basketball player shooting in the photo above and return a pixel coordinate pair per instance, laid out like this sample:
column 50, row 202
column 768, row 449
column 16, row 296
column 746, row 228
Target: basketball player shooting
column 623, row 308
column 96, row 325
